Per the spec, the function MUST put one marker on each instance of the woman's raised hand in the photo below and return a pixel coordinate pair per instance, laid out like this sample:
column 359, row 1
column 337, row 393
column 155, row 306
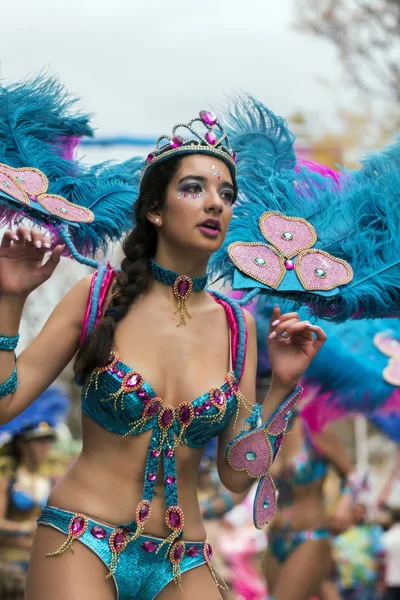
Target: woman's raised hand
column 292, row 344
column 21, row 261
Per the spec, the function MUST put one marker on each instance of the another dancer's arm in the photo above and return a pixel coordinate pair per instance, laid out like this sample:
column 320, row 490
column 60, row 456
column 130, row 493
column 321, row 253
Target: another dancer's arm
column 328, row 443
column 22, row 271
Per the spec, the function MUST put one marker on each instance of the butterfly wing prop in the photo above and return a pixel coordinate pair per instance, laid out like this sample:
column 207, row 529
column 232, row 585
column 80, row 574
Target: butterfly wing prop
column 254, row 453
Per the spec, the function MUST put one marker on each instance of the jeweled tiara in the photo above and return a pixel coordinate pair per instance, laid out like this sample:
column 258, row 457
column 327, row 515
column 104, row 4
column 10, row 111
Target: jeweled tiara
column 204, row 134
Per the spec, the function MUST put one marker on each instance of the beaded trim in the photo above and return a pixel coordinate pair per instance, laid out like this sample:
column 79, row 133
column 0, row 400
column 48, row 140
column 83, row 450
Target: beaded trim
column 76, row 528
column 10, row 385
column 170, row 278
column 8, row 342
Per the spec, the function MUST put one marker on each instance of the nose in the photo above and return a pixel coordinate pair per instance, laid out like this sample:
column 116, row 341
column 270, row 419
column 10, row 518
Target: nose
column 214, row 203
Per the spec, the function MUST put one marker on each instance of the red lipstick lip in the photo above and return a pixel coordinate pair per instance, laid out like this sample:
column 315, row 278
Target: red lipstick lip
column 214, row 222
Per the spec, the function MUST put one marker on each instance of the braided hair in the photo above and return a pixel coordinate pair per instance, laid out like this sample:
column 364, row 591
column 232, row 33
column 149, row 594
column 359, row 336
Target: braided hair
column 136, row 274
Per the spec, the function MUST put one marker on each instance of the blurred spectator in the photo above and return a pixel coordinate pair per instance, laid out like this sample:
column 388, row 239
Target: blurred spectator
column 359, row 557
column 391, row 544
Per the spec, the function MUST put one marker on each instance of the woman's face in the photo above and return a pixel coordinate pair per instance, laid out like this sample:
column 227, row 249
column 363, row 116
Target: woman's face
column 198, row 206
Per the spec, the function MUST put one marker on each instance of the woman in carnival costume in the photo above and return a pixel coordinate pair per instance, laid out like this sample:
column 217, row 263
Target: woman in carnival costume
column 119, row 322
column 118, row 506
column 355, row 373
column 25, row 487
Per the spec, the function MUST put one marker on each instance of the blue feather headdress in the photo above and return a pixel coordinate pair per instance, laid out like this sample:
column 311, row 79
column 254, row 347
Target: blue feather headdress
column 84, row 207
column 347, row 264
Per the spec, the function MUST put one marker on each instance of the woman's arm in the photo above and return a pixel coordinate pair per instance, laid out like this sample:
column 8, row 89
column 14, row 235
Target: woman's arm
column 7, row 526
column 328, row 443
column 49, row 353
column 291, row 346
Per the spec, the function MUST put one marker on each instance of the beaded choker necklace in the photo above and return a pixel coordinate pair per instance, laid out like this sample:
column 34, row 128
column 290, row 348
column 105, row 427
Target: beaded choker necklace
column 182, row 286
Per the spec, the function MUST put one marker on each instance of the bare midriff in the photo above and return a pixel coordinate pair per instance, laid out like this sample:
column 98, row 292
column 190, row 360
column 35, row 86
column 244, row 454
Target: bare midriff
column 306, row 511
column 106, row 482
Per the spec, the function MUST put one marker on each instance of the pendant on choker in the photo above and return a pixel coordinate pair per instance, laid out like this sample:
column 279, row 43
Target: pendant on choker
column 183, row 287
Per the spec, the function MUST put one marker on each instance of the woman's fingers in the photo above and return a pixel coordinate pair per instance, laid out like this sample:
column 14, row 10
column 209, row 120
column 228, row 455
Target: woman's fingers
column 50, row 265
column 275, row 318
column 320, row 338
column 24, row 234
column 8, row 238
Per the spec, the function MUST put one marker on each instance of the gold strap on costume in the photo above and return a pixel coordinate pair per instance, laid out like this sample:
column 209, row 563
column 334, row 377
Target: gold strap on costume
column 175, row 521
column 176, row 554
column 218, row 579
column 77, row 527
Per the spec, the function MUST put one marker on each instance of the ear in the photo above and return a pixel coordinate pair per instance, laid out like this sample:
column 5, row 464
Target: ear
column 155, row 218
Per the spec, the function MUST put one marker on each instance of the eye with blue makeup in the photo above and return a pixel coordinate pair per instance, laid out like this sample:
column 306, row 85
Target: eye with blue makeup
column 196, row 190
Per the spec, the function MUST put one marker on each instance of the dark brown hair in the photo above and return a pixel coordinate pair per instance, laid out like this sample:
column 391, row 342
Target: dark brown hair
column 136, row 274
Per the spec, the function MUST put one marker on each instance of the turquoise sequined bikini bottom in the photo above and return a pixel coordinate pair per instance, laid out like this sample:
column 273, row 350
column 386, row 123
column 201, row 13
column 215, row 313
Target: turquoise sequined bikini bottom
column 282, row 543
column 138, row 572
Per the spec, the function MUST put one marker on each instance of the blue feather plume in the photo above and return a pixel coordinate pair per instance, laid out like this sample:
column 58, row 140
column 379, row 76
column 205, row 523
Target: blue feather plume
column 38, row 119
column 357, row 222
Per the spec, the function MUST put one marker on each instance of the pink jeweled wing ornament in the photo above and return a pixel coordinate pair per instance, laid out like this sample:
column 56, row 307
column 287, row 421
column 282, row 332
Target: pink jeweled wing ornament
column 254, row 453
column 291, row 242
column 29, row 186
column 391, row 373
column 390, row 346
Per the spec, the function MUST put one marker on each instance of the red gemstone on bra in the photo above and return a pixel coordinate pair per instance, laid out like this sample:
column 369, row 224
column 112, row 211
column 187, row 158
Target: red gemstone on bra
column 219, row 397
column 144, row 512
column 170, row 479
column 155, row 453
column 184, row 414
column 178, row 552
column 154, row 408
column 175, row 519
column 119, row 540
column 199, row 410
column 193, row 551
column 229, row 394
column 166, row 417
column 133, row 380
column 207, row 404
column 121, row 374
column 151, row 476
column 143, row 395
column 149, row 546
column 183, row 287
column 113, row 369
column 77, row 525
column 169, row 453
column 98, row 532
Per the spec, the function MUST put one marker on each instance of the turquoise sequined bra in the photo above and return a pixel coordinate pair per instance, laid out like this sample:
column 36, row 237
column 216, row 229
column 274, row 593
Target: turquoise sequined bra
column 119, row 399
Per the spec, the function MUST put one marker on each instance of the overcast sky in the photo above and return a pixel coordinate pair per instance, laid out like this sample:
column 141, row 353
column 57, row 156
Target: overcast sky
column 141, row 66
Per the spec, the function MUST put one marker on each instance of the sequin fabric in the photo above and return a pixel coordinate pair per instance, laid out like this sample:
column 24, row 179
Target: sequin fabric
column 141, row 573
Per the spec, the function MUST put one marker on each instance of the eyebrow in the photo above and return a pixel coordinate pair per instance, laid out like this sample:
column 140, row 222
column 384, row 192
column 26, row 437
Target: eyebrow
column 202, row 179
